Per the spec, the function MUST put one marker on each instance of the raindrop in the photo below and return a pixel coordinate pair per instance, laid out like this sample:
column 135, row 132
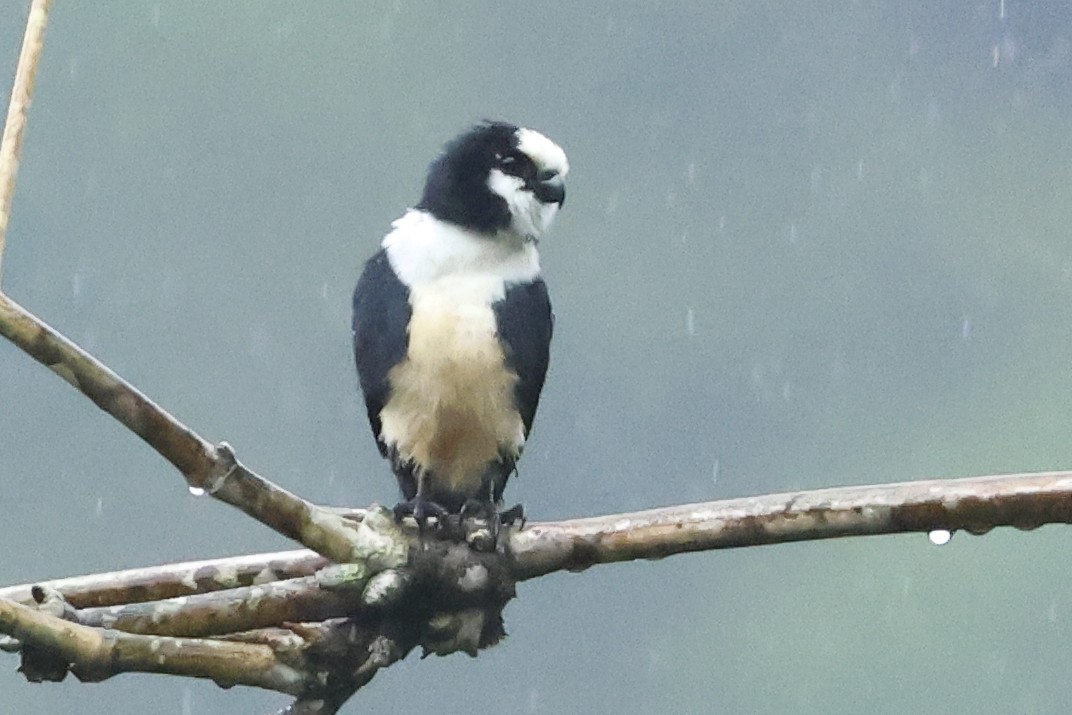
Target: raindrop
column 792, row 233
column 721, row 223
column 197, row 491
column 934, row 114
column 940, row 537
column 1007, row 49
column 714, row 473
column 100, row 506
column 690, row 321
column 612, row 203
column 816, row 179
column 966, row 327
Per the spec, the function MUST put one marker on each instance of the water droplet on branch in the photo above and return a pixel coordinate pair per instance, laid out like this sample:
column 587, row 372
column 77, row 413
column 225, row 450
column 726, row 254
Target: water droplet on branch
column 940, row 537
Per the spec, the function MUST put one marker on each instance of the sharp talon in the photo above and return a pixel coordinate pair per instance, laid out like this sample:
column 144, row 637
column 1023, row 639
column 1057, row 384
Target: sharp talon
column 513, row 515
column 421, row 509
column 472, row 507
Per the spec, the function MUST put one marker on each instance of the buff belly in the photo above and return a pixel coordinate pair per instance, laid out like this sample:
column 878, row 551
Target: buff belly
column 452, row 412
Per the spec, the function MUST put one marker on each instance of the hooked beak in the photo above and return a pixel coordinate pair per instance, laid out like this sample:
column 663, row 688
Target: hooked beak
column 550, row 188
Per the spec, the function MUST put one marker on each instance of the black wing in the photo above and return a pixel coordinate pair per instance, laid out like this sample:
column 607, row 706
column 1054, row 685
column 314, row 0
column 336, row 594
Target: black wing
column 525, row 324
column 380, row 324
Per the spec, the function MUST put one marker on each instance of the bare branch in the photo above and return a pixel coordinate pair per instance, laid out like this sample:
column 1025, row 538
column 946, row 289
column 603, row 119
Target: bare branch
column 229, row 611
column 447, row 598
column 213, row 469
column 441, row 576
column 17, row 109
column 97, row 654
column 190, row 454
column 975, row 505
column 156, row 583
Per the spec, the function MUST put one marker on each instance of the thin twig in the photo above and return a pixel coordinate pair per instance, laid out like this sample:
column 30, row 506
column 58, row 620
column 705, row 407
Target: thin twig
column 17, row 109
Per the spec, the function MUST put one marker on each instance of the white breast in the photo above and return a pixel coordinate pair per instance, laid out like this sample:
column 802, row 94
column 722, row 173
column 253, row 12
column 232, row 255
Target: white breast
column 452, row 408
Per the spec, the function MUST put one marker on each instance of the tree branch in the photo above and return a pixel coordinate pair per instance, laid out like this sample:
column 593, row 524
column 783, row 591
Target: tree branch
column 228, row 611
column 156, row 583
column 97, row 654
column 17, row 110
column 447, row 598
column 452, row 596
column 975, row 505
column 213, row 469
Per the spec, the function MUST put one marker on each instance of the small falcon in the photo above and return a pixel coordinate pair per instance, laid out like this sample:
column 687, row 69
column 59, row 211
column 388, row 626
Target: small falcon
column 452, row 322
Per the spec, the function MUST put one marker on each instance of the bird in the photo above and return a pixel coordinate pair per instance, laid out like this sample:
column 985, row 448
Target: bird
column 452, row 323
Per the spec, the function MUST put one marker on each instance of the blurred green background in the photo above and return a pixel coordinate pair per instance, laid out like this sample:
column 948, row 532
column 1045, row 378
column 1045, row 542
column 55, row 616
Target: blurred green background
column 806, row 244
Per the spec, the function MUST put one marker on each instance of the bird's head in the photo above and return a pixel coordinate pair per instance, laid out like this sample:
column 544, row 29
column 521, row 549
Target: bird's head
column 498, row 178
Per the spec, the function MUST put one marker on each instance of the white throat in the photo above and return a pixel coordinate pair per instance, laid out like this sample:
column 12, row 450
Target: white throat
column 529, row 217
column 421, row 248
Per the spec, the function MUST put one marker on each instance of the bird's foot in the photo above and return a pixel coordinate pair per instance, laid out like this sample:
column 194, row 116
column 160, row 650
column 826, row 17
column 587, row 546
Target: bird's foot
column 513, row 515
column 421, row 509
column 482, row 522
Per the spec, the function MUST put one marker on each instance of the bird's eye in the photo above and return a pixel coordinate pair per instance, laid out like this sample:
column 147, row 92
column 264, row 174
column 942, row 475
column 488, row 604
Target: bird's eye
column 518, row 164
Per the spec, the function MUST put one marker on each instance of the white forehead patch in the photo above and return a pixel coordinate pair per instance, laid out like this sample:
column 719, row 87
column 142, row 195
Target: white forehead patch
column 543, row 152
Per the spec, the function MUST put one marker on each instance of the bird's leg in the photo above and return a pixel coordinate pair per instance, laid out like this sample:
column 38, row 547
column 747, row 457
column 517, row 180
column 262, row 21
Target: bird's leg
column 474, row 508
column 420, row 507
column 516, row 513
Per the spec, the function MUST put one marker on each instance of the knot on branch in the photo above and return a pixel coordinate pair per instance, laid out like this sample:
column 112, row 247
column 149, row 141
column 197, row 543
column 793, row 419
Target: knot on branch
column 224, row 464
column 447, row 598
column 38, row 662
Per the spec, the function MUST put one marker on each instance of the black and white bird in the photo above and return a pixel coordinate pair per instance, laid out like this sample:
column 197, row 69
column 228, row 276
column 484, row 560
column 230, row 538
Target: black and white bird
column 452, row 322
